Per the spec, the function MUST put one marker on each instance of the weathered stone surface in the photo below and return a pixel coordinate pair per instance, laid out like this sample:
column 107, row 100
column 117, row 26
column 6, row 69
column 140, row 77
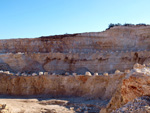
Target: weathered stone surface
column 54, row 102
column 4, row 108
column 88, row 74
column 138, row 105
column 80, row 53
column 135, row 37
column 105, row 74
column 134, row 85
column 81, row 85
column 96, row 52
column 95, row 74
column 119, row 88
column 117, row 71
column 78, row 63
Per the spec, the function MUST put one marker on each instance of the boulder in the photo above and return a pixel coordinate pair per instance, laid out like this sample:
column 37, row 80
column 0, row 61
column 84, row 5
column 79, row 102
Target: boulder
column 34, row 74
column 95, row 74
column 117, row 71
column 74, row 74
column 7, row 72
column 88, row 73
column 45, row 73
column 105, row 74
column 41, row 73
column 82, row 70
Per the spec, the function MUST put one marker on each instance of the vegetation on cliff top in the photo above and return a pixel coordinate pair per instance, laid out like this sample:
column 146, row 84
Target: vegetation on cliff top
column 126, row 24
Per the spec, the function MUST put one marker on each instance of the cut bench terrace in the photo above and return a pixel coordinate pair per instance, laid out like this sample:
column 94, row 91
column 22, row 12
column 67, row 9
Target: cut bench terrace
column 112, row 67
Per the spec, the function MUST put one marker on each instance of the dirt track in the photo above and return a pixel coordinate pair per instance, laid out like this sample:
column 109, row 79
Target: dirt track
column 52, row 105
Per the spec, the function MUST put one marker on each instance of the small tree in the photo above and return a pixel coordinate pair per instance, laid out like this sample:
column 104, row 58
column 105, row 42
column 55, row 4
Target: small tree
column 128, row 24
column 141, row 24
column 111, row 25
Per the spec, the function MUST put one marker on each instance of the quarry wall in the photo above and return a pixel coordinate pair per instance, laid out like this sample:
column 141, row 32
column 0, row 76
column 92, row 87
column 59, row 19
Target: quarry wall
column 116, row 38
column 83, row 86
column 117, row 48
column 60, row 63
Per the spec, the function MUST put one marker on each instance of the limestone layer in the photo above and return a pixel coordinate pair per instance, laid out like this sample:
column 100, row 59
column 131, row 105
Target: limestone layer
column 117, row 48
column 134, row 85
column 120, row 87
column 60, row 63
column 84, row 86
column 116, row 38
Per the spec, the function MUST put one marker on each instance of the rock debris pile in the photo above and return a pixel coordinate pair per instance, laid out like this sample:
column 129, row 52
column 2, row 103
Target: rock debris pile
column 139, row 105
column 4, row 108
column 132, row 95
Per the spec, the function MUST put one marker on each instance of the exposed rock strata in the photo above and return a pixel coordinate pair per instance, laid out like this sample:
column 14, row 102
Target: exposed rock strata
column 116, row 38
column 85, row 86
column 117, row 48
column 79, row 63
column 120, row 88
column 134, row 85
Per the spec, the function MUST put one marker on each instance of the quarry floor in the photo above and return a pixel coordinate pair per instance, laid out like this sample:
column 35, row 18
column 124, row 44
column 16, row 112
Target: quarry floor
column 46, row 104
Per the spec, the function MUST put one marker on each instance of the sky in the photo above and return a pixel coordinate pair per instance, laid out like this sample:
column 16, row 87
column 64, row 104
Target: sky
column 35, row 18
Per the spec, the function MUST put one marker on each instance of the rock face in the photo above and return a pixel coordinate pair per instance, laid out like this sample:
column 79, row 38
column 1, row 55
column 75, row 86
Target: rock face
column 114, row 50
column 116, row 38
column 117, row 48
column 79, row 63
column 83, row 86
column 134, row 85
column 120, row 88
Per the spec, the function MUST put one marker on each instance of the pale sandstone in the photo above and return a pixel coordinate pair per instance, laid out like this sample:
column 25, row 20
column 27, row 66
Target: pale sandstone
column 134, row 85
column 88, row 74
column 58, row 85
column 45, row 73
column 117, row 71
column 41, row 73
column 95, row 74
column 105, row 74
column 101, row 52
column 97, row 51
column 34, row 74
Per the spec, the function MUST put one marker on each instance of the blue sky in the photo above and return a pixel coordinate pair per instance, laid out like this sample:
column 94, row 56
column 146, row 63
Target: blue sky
column 34, row 18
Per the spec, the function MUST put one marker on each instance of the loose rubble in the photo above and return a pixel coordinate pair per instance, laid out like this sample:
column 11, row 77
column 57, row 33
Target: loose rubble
column 139, row 105
column 4, row 108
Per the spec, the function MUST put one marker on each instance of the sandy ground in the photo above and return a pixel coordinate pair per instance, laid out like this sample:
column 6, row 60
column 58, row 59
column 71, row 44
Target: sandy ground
column 46, row 104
